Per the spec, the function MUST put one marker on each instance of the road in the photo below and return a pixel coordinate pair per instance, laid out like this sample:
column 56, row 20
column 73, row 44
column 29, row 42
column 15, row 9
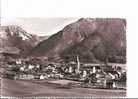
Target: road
column 17, row 88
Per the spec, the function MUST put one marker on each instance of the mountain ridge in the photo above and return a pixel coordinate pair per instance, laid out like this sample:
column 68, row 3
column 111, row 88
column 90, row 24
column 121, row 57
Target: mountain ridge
column 99, row 35
column 15, row 40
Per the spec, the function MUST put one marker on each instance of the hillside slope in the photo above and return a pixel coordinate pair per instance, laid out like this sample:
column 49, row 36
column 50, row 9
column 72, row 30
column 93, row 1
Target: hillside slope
column 92, row 39
column 15, row 40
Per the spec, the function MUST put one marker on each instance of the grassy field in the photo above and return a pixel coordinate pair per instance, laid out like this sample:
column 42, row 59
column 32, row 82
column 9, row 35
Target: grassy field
column 43, row 88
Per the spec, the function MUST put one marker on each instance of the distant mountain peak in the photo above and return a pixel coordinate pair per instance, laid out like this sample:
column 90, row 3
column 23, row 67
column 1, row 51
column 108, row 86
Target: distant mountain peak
column 14, row 38
column 13, row 30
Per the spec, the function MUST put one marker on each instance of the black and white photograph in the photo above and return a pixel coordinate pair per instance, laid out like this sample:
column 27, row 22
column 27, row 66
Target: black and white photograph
column 68, row 49
column 75, row 57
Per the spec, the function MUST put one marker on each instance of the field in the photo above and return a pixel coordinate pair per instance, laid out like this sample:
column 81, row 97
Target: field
column 32, row 88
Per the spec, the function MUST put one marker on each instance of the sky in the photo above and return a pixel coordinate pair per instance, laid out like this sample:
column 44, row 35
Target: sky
column 39, row 26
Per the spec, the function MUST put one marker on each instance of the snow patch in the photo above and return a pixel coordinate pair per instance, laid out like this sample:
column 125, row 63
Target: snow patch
column 24, row 37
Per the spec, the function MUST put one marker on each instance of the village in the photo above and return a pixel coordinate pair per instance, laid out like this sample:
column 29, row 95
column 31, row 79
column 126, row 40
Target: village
column 91, row 75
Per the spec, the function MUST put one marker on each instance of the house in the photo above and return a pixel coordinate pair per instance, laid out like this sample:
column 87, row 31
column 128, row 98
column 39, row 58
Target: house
column 24, row 77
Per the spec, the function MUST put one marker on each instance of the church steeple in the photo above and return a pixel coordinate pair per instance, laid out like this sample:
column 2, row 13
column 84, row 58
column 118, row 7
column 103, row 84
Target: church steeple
column 78, row 64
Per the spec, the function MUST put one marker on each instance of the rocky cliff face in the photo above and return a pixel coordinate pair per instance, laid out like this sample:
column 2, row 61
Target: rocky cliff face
column 92, row 39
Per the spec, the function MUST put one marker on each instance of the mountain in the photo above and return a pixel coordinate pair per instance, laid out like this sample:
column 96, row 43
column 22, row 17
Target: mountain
column 92, row 39
column 40, row 38
column 15, row 40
